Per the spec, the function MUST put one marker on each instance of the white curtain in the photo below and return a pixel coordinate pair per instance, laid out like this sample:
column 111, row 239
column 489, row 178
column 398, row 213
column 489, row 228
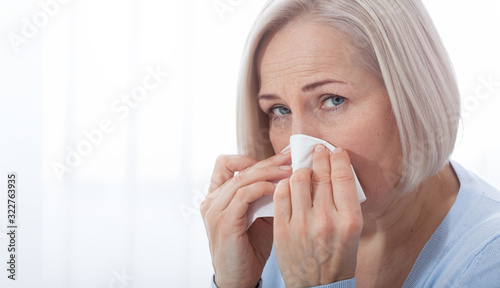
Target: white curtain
column 114, row 112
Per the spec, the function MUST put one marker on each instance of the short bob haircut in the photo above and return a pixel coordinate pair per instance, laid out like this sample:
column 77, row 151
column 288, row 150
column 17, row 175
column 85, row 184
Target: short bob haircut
column 397, row 42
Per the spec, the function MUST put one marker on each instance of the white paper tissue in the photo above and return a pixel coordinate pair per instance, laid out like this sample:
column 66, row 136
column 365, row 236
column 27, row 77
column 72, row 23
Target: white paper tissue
column 302, row 147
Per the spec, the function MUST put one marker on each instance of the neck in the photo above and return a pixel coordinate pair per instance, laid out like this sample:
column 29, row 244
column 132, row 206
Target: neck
column 394, row 220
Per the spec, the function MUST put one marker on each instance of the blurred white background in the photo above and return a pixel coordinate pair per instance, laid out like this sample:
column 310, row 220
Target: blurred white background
column 125, row 214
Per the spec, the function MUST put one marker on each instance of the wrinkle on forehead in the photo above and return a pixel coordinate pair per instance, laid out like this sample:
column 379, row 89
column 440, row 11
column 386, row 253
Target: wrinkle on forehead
column 299, row 68
column 278, row 58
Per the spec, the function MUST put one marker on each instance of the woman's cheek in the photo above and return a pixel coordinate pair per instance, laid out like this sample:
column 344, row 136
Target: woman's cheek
column 280, row 138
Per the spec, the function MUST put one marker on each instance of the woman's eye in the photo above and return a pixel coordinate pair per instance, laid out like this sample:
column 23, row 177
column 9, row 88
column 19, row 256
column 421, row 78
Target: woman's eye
column 333, row 101
column 280, row 111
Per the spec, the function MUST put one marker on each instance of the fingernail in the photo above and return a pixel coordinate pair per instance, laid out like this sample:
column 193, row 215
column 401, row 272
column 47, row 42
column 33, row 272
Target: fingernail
column 337, row 150
column 286, row 167
column 319, row 148
column 286, row 151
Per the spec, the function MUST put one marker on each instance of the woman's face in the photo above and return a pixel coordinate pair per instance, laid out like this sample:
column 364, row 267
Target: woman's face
column 310, row 84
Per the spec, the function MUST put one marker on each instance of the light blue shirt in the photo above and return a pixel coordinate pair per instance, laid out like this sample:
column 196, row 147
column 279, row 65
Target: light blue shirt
column 464, row 251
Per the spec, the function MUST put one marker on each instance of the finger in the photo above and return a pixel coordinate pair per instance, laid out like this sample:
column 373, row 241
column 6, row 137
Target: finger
column 300, row 187
column 238, row 208
column 344, row 187
column 276, row 160
column 247, row 177
column 321, row 185
column 226, row 166
column 282, row 203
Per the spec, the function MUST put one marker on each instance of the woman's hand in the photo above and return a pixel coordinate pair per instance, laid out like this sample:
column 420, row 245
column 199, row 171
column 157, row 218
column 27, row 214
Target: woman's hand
column 318, row 222
column 239, row 255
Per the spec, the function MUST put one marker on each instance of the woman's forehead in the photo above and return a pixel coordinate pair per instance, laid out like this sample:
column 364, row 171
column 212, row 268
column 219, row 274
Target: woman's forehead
column 301, row 49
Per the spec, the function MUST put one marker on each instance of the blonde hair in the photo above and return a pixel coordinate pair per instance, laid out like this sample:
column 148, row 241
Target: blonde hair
column 398, row 43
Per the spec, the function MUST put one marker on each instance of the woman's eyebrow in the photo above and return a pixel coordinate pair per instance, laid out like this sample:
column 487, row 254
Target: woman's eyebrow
column 317, row 84
column 267, row 97
column 306, row 88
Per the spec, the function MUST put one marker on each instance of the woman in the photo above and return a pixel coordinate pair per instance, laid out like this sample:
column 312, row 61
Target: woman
column 372, row 78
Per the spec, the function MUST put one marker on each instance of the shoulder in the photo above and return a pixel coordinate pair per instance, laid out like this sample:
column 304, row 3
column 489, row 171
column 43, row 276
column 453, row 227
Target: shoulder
column 478, row 202
column 465, row 249
column 480, row 231
column 475, row 216
column 470, row 183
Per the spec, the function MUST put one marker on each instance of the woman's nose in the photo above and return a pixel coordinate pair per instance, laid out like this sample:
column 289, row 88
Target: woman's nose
column 305, row 125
